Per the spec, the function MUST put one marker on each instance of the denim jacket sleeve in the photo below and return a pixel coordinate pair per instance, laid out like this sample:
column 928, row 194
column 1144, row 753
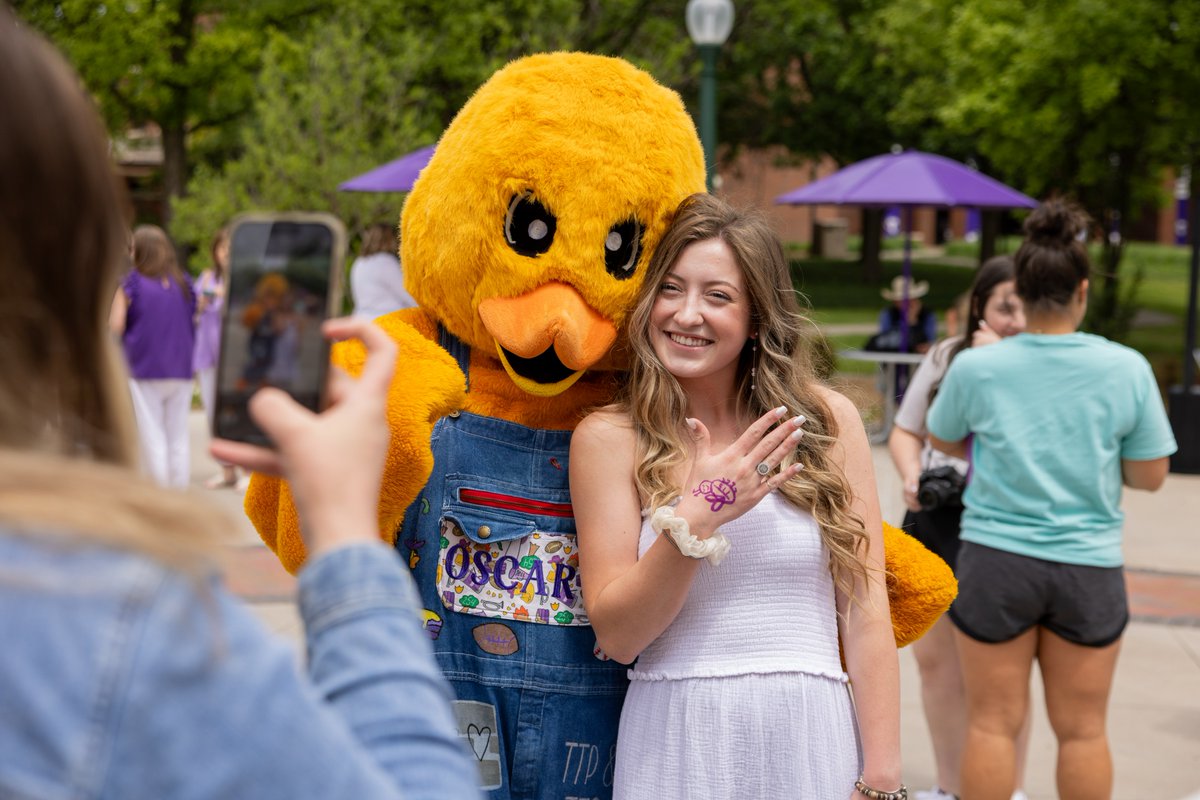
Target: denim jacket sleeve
column 216, row 707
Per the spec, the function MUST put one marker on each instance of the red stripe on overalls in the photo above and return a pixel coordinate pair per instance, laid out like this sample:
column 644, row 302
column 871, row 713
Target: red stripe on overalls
column 512, row 503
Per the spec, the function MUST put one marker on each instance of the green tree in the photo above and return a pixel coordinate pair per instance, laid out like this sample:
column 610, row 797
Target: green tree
column 464, row 41
column 329, row 106
column 1069, row 97
column 803, row 74
column 820, row 78
column 192, row 68
column 380, row 79
column 185, row 65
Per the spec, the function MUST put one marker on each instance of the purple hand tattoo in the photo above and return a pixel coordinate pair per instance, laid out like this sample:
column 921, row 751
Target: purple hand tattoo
column 718, row 493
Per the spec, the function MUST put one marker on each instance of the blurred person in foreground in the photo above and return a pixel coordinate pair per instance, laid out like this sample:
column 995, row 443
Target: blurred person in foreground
column 1060, row 420
column 376, row 278
column 933, row 484
column 130, row 671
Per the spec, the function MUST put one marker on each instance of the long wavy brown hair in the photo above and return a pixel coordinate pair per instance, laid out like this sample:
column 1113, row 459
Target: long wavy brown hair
column 783, row 376
column 154, row 256
column 68, row 446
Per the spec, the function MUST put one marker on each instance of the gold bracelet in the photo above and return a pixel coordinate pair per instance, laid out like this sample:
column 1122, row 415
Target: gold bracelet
column 876, row 794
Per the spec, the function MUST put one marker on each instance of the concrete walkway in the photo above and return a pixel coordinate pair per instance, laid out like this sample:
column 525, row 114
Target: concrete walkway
column 1154, row 722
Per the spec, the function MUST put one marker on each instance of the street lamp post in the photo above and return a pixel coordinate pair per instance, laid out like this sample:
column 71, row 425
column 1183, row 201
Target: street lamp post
column 709, row 23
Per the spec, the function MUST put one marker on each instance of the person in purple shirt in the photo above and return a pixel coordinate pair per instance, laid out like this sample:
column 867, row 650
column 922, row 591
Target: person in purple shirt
column 128, row 670
column 154, row 313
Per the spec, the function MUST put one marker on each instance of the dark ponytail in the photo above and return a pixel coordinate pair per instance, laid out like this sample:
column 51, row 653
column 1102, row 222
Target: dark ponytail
column 1052, row 261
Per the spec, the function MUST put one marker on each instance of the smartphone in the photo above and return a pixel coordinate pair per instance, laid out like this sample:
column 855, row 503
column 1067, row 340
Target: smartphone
column 284, row 281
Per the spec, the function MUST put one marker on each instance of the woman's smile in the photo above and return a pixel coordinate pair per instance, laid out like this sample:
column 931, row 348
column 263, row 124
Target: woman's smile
column 688, row 341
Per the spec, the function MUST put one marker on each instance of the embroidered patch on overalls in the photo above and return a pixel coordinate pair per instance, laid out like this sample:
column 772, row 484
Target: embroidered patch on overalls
column 533, row 578
column 496, row 638
column 477, row 726
column 432, row 623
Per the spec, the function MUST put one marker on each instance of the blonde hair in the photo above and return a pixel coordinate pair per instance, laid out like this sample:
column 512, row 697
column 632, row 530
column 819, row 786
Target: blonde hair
column 783, row 376
column 67, row 437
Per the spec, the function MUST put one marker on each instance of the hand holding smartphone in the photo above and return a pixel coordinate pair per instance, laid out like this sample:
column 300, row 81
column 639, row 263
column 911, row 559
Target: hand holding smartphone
column 333, row 460
column 284, row 281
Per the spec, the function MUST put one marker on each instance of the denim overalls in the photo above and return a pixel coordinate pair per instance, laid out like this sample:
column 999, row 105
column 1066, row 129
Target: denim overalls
column 491, row 542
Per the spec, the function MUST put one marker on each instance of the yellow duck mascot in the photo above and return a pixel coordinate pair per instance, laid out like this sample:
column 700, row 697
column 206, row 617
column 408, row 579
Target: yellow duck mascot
column 524, row 241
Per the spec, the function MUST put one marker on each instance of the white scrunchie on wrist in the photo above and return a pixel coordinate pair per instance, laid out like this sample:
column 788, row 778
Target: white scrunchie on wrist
column 713, row 549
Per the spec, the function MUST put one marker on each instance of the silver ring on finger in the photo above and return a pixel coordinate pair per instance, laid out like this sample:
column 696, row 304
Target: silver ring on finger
column 763, row 469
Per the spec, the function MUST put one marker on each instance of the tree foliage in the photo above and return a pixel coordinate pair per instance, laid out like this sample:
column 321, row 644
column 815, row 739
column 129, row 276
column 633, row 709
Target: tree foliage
column 379, row 80
column 272, row 103
column 801, row 73
column 187, row 66
column 1072, row 97
column 305, row 139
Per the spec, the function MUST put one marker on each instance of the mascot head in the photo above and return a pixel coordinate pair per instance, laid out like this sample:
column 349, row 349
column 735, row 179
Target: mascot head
column 528, row 233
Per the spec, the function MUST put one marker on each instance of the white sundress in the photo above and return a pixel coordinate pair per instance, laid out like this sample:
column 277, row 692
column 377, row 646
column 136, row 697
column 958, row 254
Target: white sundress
column 744, row 695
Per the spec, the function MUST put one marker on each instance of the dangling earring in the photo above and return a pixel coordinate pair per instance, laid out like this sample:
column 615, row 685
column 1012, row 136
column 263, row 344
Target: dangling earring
column 753, row 363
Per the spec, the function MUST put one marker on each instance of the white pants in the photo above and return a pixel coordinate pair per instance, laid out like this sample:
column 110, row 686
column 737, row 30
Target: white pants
column 161, row 408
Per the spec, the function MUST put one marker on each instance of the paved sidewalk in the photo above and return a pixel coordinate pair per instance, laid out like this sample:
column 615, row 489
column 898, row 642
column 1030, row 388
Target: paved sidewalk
column 1154, row 722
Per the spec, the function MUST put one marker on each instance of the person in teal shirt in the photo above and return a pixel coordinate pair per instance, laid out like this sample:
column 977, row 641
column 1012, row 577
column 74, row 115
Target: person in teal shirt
column 1060, row 420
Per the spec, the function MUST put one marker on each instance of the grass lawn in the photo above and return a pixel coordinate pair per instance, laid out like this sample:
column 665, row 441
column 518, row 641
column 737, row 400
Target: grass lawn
column 838, row 296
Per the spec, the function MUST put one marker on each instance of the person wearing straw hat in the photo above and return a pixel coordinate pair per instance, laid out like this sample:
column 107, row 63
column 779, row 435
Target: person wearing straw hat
column 922, row 323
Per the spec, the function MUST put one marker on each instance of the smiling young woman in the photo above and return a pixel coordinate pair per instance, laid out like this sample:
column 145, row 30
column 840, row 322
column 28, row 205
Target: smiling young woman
column 729, row 537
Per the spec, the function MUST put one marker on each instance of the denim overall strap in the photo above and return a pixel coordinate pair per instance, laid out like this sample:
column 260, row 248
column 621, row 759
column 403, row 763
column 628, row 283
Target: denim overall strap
column 491, row 543
column 455, row 347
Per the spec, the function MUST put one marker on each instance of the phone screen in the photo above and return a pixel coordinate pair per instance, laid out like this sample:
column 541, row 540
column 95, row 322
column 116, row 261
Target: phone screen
column 282, row 284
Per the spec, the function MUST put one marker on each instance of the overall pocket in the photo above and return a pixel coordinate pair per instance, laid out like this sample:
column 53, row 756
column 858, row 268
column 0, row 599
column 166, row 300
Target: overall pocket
column 509, row 552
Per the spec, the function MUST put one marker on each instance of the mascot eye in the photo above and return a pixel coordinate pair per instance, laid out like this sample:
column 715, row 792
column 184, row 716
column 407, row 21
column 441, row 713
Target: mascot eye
column 528, row 226
column 622, row 247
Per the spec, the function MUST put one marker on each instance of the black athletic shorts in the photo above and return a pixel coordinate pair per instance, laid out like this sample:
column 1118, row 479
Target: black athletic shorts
column 1001, row 595
column 937, row 530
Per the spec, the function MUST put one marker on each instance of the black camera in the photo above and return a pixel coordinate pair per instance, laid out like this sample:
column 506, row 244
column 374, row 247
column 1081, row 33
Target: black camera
column 941, row 487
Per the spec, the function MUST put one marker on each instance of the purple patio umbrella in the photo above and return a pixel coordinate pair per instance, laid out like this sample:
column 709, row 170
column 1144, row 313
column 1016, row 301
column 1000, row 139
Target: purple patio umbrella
column 908, row 179
column 394, row 176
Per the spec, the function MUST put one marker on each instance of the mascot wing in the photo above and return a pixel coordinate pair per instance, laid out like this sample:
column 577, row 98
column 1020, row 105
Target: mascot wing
column 920, row 585
column 428, row 384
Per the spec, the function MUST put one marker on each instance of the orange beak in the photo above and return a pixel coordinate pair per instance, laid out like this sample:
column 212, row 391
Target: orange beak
column 551, row 324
